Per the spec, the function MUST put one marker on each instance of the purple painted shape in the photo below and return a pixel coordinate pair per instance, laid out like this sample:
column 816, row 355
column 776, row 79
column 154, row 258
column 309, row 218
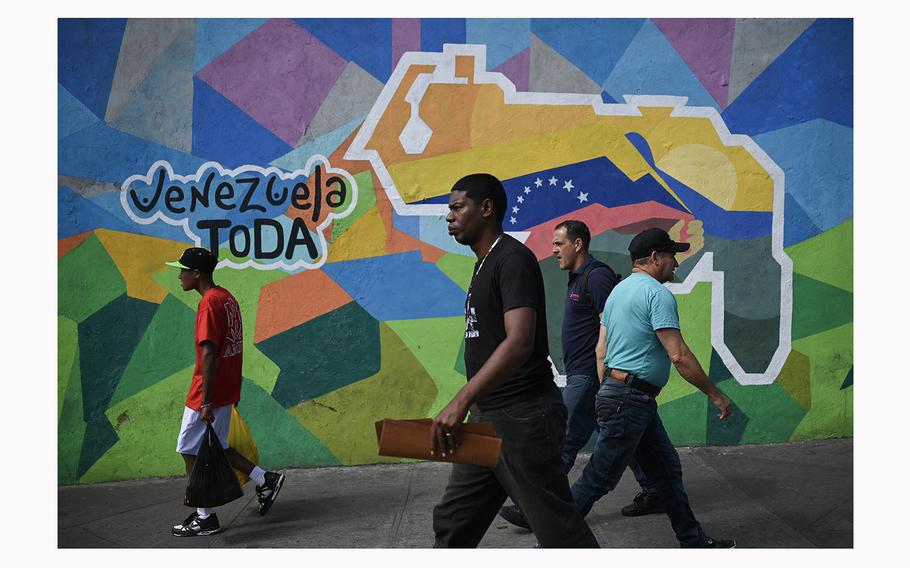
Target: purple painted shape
column 518, row 69
column 706, row 45
column 279, row 74
column 405, row 37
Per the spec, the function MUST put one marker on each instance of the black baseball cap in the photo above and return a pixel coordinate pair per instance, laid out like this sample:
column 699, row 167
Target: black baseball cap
column 654, row 240
column 196, row 257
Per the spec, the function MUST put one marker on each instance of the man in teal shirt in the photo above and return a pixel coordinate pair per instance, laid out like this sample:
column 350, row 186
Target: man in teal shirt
column 639, row 338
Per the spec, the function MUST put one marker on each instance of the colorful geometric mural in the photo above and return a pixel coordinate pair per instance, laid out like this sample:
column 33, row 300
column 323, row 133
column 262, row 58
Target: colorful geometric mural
column 317, row 155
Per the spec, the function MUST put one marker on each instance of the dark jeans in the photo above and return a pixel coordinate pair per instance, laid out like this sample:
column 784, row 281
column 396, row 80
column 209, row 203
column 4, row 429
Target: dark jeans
column 630, row 427
column 529, row 471
column 579, row 398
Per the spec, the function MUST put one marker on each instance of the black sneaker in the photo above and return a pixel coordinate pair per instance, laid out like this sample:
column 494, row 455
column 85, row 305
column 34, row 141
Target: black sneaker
column 514, row 515
column 194, row 526
column 719, row 543
column 268, row 491
column 644, row 504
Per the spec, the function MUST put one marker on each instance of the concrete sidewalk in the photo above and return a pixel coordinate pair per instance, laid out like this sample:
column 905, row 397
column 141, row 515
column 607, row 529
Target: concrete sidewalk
column 781, row 495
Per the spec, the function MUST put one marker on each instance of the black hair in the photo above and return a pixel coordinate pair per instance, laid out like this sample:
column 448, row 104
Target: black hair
column 576, row 230
column 484, row 186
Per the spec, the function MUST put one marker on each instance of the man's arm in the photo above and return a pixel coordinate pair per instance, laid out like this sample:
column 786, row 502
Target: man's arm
column 600, row 353
column 207, row 367
column 518, row 345
column 690, row 369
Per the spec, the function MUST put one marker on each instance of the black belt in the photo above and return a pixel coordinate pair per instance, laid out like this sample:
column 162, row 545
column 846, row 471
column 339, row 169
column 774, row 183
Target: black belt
column 633, row 381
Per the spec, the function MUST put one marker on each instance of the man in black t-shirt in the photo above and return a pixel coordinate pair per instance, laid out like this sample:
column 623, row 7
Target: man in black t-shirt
column 510, row 383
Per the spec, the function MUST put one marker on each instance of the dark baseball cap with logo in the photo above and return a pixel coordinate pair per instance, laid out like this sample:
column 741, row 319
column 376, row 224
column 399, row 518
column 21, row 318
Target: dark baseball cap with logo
column 651, row 240
column 196, row 258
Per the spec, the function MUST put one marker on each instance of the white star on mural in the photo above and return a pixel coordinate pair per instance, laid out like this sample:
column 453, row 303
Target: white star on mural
column 513, row 220
column 527, row 190
column 521, row 199
column 582, row 197
column 553, row 180
column 515, row 209
column 568, row 186
column 538, row 182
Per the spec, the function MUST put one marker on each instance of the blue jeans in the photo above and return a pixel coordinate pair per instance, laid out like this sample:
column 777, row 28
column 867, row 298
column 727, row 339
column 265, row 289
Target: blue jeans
column 579, row 399
column 630, row 427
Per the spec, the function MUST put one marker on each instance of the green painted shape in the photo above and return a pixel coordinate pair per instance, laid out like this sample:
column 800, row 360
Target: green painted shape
column 246, row 286
column 281, row 440
column 435, row 342
column 752, row 342
column 366, row 200
column 618, row 262
column 831, row 413
column 610, row 243
column 458, row 268
column 87, row 280
column 147, row 425
column 166, row 347
column 70, row 427
column 827, row 257
column 67, row 351
column 818, row 307
column 99, row 438
column 717, row 370
column 344, row 419
column 555, row 283
column 683, row 419
column 324, row 354
column 772, row 414
column 695, row 319
column 460, row 366
column 107, row 340
column 726, row 432
column 848, row 382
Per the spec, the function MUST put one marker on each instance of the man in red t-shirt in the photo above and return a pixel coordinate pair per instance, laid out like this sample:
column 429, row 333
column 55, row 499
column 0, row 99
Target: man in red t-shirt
column 215, row 387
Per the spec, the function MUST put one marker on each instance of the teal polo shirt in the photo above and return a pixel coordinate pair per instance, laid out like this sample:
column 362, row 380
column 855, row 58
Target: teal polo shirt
column 637, row 307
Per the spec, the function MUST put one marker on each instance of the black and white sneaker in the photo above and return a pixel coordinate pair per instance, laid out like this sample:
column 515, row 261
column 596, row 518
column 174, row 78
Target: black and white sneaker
column 194, row 526
column 268, row 491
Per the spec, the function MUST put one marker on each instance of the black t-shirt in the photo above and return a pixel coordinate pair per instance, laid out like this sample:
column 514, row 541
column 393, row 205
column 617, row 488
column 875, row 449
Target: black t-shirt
column 581, row 320
column 509, row 278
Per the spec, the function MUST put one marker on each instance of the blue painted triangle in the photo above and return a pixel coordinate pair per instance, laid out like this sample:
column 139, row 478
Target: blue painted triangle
column 102, row 153
column 812, row 78
column 797, row 225
column 72, row 115
column 817, row 159
column 504, row 37
column 87, row 52
column 592, row 45
column 605, row 97
column 372, row 50
column 110, row 202
column 215, row 36
column 76, row 214
column 848, row 382
column 224, row 133
column 434, row 32
column 651, row 66
column 99, row 437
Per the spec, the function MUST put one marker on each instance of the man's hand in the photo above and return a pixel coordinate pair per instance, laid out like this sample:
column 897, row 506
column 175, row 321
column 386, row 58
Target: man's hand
column 445, row 429
column 722, row 403
column 207, row 414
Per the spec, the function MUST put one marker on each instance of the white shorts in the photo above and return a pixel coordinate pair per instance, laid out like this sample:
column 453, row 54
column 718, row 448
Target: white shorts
column 191, row 430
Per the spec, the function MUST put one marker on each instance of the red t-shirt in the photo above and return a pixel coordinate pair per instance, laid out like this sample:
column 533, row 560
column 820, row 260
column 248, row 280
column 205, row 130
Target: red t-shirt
column 218, row 321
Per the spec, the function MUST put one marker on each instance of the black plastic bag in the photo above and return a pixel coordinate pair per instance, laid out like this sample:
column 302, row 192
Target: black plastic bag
column 212, row 481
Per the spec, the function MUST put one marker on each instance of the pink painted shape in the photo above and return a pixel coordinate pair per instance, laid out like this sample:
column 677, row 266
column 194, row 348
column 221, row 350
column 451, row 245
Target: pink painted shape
column 405, row 37
column 279, row 74
column 599, row 219
column 706, row 45
column 518, row 69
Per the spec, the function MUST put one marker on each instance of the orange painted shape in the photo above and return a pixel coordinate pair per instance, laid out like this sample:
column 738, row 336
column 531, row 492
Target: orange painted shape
column 64, row 246
column 295, row 300
column 138, row 257
column 464, row 67
column 599, row 219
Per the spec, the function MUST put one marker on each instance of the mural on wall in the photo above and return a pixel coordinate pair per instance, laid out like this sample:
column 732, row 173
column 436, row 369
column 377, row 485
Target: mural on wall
column 316, row 155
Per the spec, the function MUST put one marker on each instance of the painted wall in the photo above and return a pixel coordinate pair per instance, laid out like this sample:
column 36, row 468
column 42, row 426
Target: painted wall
column 317, row 156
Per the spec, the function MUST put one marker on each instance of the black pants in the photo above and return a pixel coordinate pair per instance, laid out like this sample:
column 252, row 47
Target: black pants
column 530, row 472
